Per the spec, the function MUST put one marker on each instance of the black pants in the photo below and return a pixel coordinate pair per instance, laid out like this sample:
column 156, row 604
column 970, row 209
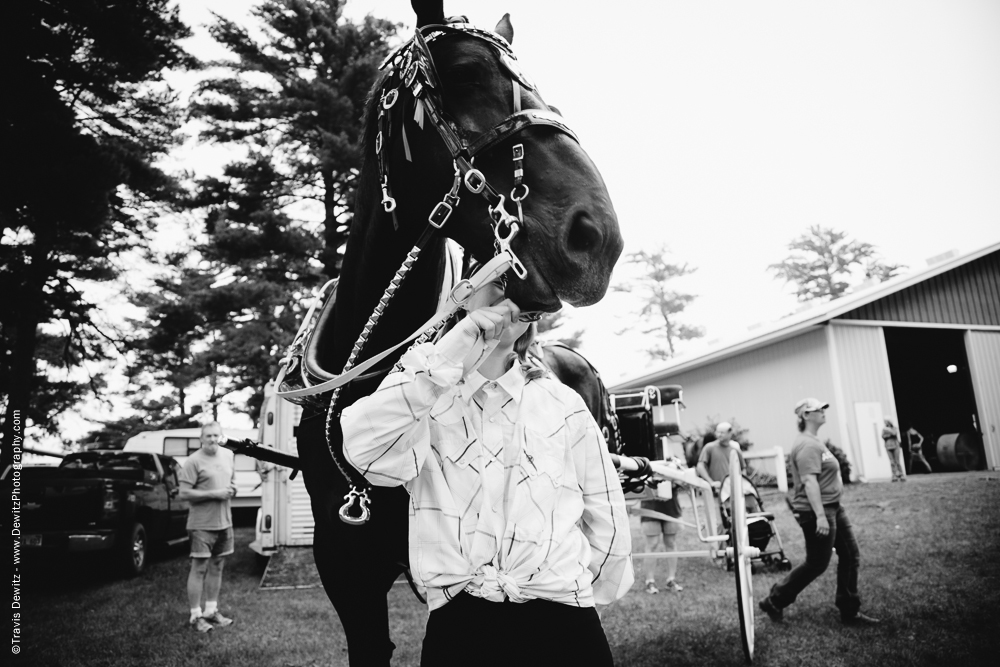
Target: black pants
column 473, row 631
column 818, row 553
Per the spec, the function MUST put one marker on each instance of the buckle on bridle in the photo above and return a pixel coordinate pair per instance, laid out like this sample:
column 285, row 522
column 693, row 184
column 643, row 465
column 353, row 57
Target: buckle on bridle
column 475, row 181
column 462, row 292
column 440, row 214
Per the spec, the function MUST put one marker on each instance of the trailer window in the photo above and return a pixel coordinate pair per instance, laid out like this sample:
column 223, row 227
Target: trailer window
column 175, row 446
column 245, row 463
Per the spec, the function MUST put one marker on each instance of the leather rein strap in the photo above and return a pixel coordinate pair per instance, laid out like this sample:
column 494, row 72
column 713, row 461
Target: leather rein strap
column 460, row 294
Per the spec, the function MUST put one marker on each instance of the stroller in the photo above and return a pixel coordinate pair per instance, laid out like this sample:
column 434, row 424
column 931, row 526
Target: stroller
column 760, row 527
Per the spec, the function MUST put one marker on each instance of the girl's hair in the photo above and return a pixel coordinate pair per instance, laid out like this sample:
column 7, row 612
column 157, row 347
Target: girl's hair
column 530, row 370
column 802, row 423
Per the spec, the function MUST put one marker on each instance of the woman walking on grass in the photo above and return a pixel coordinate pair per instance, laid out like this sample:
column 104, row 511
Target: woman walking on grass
column 825, row 525
column 518, row 523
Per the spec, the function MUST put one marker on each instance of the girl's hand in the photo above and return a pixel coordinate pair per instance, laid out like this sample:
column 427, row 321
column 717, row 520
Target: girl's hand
column 493, row 320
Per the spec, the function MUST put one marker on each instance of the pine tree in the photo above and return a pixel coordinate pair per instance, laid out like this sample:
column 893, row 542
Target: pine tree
column 88, row 116
column 662, row 306
column 294, row 98
column 229, row 315
column 297, row 96
column 550, row 327
column 825, row 264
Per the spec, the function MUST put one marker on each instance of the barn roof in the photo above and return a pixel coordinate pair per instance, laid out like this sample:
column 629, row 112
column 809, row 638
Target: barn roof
column 808, row 318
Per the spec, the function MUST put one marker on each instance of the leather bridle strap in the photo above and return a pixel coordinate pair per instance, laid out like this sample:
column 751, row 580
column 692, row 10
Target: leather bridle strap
column 460, row 295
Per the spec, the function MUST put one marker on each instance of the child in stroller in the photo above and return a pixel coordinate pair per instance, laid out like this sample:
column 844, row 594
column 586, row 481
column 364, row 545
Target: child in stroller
column 760, row 527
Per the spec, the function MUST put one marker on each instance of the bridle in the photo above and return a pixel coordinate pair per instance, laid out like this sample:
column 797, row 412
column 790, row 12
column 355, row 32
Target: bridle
column 411, row 68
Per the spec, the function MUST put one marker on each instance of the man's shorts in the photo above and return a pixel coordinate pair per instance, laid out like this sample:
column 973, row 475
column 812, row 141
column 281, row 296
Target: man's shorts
column 208, row 543
column 653, row 527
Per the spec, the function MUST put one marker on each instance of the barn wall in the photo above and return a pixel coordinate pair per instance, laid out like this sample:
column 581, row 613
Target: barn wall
column 759, row 388
column 967, row 294
column 983, row 350
column 863, row 365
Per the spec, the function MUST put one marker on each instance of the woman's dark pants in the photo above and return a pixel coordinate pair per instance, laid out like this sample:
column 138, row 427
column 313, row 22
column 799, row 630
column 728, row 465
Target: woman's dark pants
column 473, row 631
column 818, row 552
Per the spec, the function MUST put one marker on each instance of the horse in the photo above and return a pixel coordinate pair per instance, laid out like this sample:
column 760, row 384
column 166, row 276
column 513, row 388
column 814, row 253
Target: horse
column 451, row 121
column 576, row 372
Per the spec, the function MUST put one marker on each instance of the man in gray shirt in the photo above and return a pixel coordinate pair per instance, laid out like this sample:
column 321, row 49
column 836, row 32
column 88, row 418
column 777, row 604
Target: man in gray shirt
column 207, row 481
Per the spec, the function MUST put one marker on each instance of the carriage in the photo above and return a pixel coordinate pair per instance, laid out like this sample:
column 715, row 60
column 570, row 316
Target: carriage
column 647, row 437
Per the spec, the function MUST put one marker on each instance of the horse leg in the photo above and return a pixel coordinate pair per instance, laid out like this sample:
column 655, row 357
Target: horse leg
column 357, row 564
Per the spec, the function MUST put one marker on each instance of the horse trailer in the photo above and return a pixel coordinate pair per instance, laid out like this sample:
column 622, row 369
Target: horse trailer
column 285, row 517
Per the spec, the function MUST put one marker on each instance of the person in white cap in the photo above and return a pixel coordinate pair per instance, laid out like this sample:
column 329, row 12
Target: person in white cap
column 825, row 525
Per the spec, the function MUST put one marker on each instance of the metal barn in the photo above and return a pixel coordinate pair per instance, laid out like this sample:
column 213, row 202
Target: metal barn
column 923, row 349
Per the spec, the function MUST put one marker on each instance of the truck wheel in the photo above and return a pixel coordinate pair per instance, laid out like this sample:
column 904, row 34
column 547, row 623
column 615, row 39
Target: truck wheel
column 135, row 550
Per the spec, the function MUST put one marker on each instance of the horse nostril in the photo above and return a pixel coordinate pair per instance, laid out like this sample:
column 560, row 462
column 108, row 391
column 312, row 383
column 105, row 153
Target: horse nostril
column 584, row 234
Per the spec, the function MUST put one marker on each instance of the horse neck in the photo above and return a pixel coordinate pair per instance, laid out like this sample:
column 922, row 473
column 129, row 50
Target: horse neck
column 375, row 251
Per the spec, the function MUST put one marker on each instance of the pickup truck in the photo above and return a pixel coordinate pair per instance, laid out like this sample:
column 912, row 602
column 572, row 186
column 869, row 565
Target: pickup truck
column 104, row 500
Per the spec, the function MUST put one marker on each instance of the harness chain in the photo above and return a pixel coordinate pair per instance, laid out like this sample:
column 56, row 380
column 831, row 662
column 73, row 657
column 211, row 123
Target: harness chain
column 419, row 76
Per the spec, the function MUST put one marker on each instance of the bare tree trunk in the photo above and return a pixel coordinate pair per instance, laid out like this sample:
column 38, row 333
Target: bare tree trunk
column 21, row 381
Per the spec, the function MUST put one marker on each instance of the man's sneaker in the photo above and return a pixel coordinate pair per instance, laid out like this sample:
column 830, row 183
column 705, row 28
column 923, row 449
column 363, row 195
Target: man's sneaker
column 201, row 625
column 672, row 585
column 768, row 608
column 859, row 619
column 217, row 618
column 651, row 588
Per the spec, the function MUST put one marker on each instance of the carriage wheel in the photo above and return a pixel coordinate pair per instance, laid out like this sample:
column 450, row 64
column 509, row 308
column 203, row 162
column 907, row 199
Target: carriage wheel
column 741, row 559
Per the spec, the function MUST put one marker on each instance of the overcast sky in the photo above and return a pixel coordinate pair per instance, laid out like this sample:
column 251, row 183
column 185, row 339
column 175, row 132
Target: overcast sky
column 725, row 129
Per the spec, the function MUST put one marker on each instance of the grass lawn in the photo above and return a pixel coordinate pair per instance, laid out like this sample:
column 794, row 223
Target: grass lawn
column 930, row 570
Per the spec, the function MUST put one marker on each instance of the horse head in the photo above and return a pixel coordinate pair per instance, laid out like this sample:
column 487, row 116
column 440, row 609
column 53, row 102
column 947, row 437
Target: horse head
column 466, row 83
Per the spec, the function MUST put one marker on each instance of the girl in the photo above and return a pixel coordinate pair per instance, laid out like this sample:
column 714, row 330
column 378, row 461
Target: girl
column 517, row 520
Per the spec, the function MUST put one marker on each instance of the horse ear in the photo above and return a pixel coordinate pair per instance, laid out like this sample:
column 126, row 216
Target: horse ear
column 505, row 29
column 429, row 12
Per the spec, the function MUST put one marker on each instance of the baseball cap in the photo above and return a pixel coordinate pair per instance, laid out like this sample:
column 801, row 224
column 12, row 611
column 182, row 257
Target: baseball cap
column 809, row 405
column 723, row 427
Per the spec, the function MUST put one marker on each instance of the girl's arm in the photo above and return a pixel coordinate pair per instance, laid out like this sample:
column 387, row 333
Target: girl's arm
column 386, row 433
column 605, row 518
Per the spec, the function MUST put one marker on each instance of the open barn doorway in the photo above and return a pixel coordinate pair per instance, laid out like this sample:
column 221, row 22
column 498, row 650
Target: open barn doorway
column 933, row 390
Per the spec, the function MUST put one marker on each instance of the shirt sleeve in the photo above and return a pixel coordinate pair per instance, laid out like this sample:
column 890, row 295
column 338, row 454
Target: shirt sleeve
column 386, row 435
column 605, row 517
column 704, row 455
column 188, row 473
column 808, row 460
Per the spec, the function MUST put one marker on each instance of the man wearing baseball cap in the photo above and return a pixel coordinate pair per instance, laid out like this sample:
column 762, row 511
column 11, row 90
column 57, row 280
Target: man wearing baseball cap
column 825, row 525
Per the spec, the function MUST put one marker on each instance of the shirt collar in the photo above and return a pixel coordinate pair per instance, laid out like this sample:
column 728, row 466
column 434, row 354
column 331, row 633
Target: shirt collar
column 511, row 382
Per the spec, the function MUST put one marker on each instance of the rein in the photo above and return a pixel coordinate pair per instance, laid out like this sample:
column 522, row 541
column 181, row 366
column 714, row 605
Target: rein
column 411, row 68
